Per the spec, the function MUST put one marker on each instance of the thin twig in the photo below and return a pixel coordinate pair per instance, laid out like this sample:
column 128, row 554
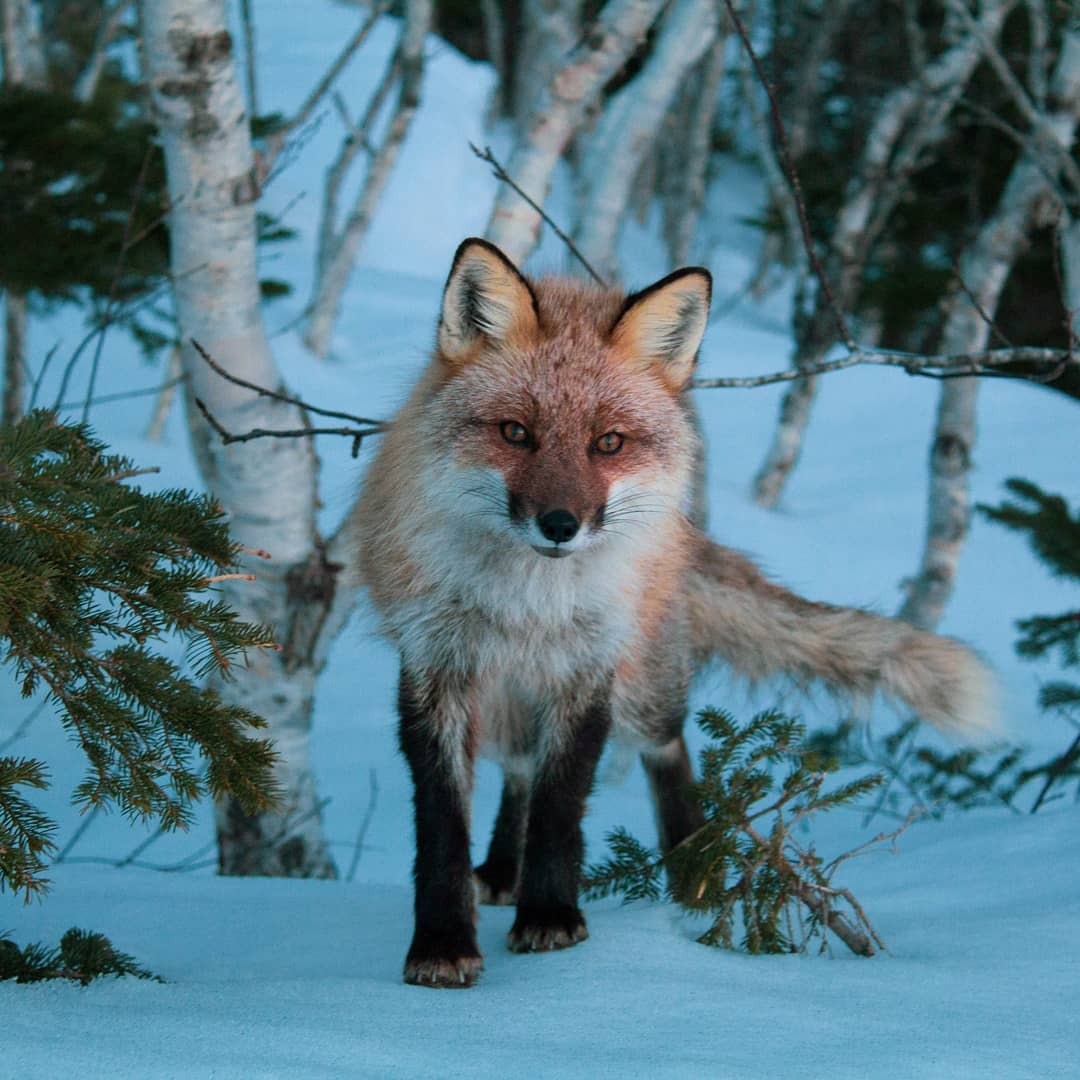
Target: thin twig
column 24, row 725
column 792, row 175
column 286, row 398
column 227, row 437
column 78, row 834
column 125, row 247
column 504, row 176
column 276, row 142
column 982, row 364
column 369, row 813
column 105, row 399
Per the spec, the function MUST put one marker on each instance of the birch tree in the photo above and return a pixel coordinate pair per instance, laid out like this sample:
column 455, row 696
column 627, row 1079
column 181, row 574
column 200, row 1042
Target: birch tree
column 630, row 126
column 269, row 488
column 1031, row 197
column 339, row 245
column 556, row 115
column 909, row 122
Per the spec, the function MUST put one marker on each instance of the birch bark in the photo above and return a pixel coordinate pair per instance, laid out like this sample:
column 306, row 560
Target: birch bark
column 631, row 124
column 268, row 488
column 984, row 268
column 556, row 115
column 909, row 122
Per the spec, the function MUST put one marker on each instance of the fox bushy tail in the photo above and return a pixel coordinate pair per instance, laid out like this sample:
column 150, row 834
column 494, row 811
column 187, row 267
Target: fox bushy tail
column 760, row 629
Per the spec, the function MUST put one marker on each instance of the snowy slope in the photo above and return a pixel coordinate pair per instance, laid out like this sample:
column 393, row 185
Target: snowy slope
column 270, row 978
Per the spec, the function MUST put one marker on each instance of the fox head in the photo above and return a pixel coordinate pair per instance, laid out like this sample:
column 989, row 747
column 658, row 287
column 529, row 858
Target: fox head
column 558, row 404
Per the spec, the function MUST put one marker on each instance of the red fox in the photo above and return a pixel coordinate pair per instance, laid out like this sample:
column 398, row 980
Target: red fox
column 525, row 532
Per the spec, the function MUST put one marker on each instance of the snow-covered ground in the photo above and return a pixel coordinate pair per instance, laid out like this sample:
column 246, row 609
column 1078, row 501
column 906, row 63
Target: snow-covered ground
column 271, row 978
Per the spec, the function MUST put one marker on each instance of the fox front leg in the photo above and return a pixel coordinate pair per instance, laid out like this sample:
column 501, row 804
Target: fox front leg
column 436, row 733
column 548, row 916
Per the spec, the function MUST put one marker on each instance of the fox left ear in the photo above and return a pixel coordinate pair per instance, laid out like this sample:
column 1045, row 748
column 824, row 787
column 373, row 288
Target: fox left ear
column 486, row 299
column 663, row 325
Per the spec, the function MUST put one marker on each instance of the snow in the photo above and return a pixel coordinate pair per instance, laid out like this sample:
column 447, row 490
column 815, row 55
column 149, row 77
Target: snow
column 270, row 977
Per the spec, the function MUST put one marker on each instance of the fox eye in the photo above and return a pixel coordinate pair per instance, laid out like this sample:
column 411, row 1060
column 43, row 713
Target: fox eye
column 515, row 433
column 609, row 443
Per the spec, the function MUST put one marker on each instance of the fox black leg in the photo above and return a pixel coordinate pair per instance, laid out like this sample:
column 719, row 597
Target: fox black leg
column 548, row 916
column 436, row 738
column 497, row 876
column 671, row 778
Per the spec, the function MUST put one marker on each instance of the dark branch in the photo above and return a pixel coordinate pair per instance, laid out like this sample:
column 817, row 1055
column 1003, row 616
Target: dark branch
column 504, row 176
column 793, row 176
column 376, row 425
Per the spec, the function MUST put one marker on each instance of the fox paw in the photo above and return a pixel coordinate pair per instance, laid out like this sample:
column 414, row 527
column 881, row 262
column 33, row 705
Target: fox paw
column 443, row 973
column 496, row 883
column 544, row 929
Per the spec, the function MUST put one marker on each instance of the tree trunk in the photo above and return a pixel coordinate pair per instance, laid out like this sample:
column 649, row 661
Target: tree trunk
column 909, row 122
column 631, row 123
column 336, row 264
column 14, row 356
column 686, row 153
column 984, row 269
column 22, row 48
column 549, row 30
column 558, row 113
column 269, row 487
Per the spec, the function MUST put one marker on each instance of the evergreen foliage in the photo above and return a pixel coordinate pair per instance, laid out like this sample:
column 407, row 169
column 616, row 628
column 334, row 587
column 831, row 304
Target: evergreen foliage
column 744, row 865
column 93, row 574
column 82, row 957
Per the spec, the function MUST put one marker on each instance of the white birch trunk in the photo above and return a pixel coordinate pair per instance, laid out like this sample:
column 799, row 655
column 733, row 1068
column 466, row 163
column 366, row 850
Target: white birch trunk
column 23, row 45
column 267, row 487
column 337, row 262
column 984, row 269
column 557, row 114
column 87, row 82
column 548, row 31
column 631, row 124
column 909, row 122
column 686, row 162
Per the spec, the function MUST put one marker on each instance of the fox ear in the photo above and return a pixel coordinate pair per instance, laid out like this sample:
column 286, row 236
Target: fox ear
column 663, row 325
column 486, row 298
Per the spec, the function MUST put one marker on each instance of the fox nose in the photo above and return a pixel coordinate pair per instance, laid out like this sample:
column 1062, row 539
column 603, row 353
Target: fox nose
column 558, row 526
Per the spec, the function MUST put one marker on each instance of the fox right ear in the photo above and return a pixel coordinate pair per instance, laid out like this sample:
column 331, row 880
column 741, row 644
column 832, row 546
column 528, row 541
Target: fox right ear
column 485, row 299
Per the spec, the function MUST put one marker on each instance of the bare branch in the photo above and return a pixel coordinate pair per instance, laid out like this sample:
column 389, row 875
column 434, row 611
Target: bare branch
column 227, row 437
column 276, row 142
column 793, row 177
column 504, row 176
column 365, row 824
column 984, row 364
column 288, row 399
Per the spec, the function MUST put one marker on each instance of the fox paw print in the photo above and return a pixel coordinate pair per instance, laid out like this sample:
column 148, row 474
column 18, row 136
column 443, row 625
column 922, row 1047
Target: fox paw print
column 548, row 928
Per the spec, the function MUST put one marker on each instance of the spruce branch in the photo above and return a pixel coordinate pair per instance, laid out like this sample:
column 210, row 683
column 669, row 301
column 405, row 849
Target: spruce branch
column 94, row 575
column 745, row 863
